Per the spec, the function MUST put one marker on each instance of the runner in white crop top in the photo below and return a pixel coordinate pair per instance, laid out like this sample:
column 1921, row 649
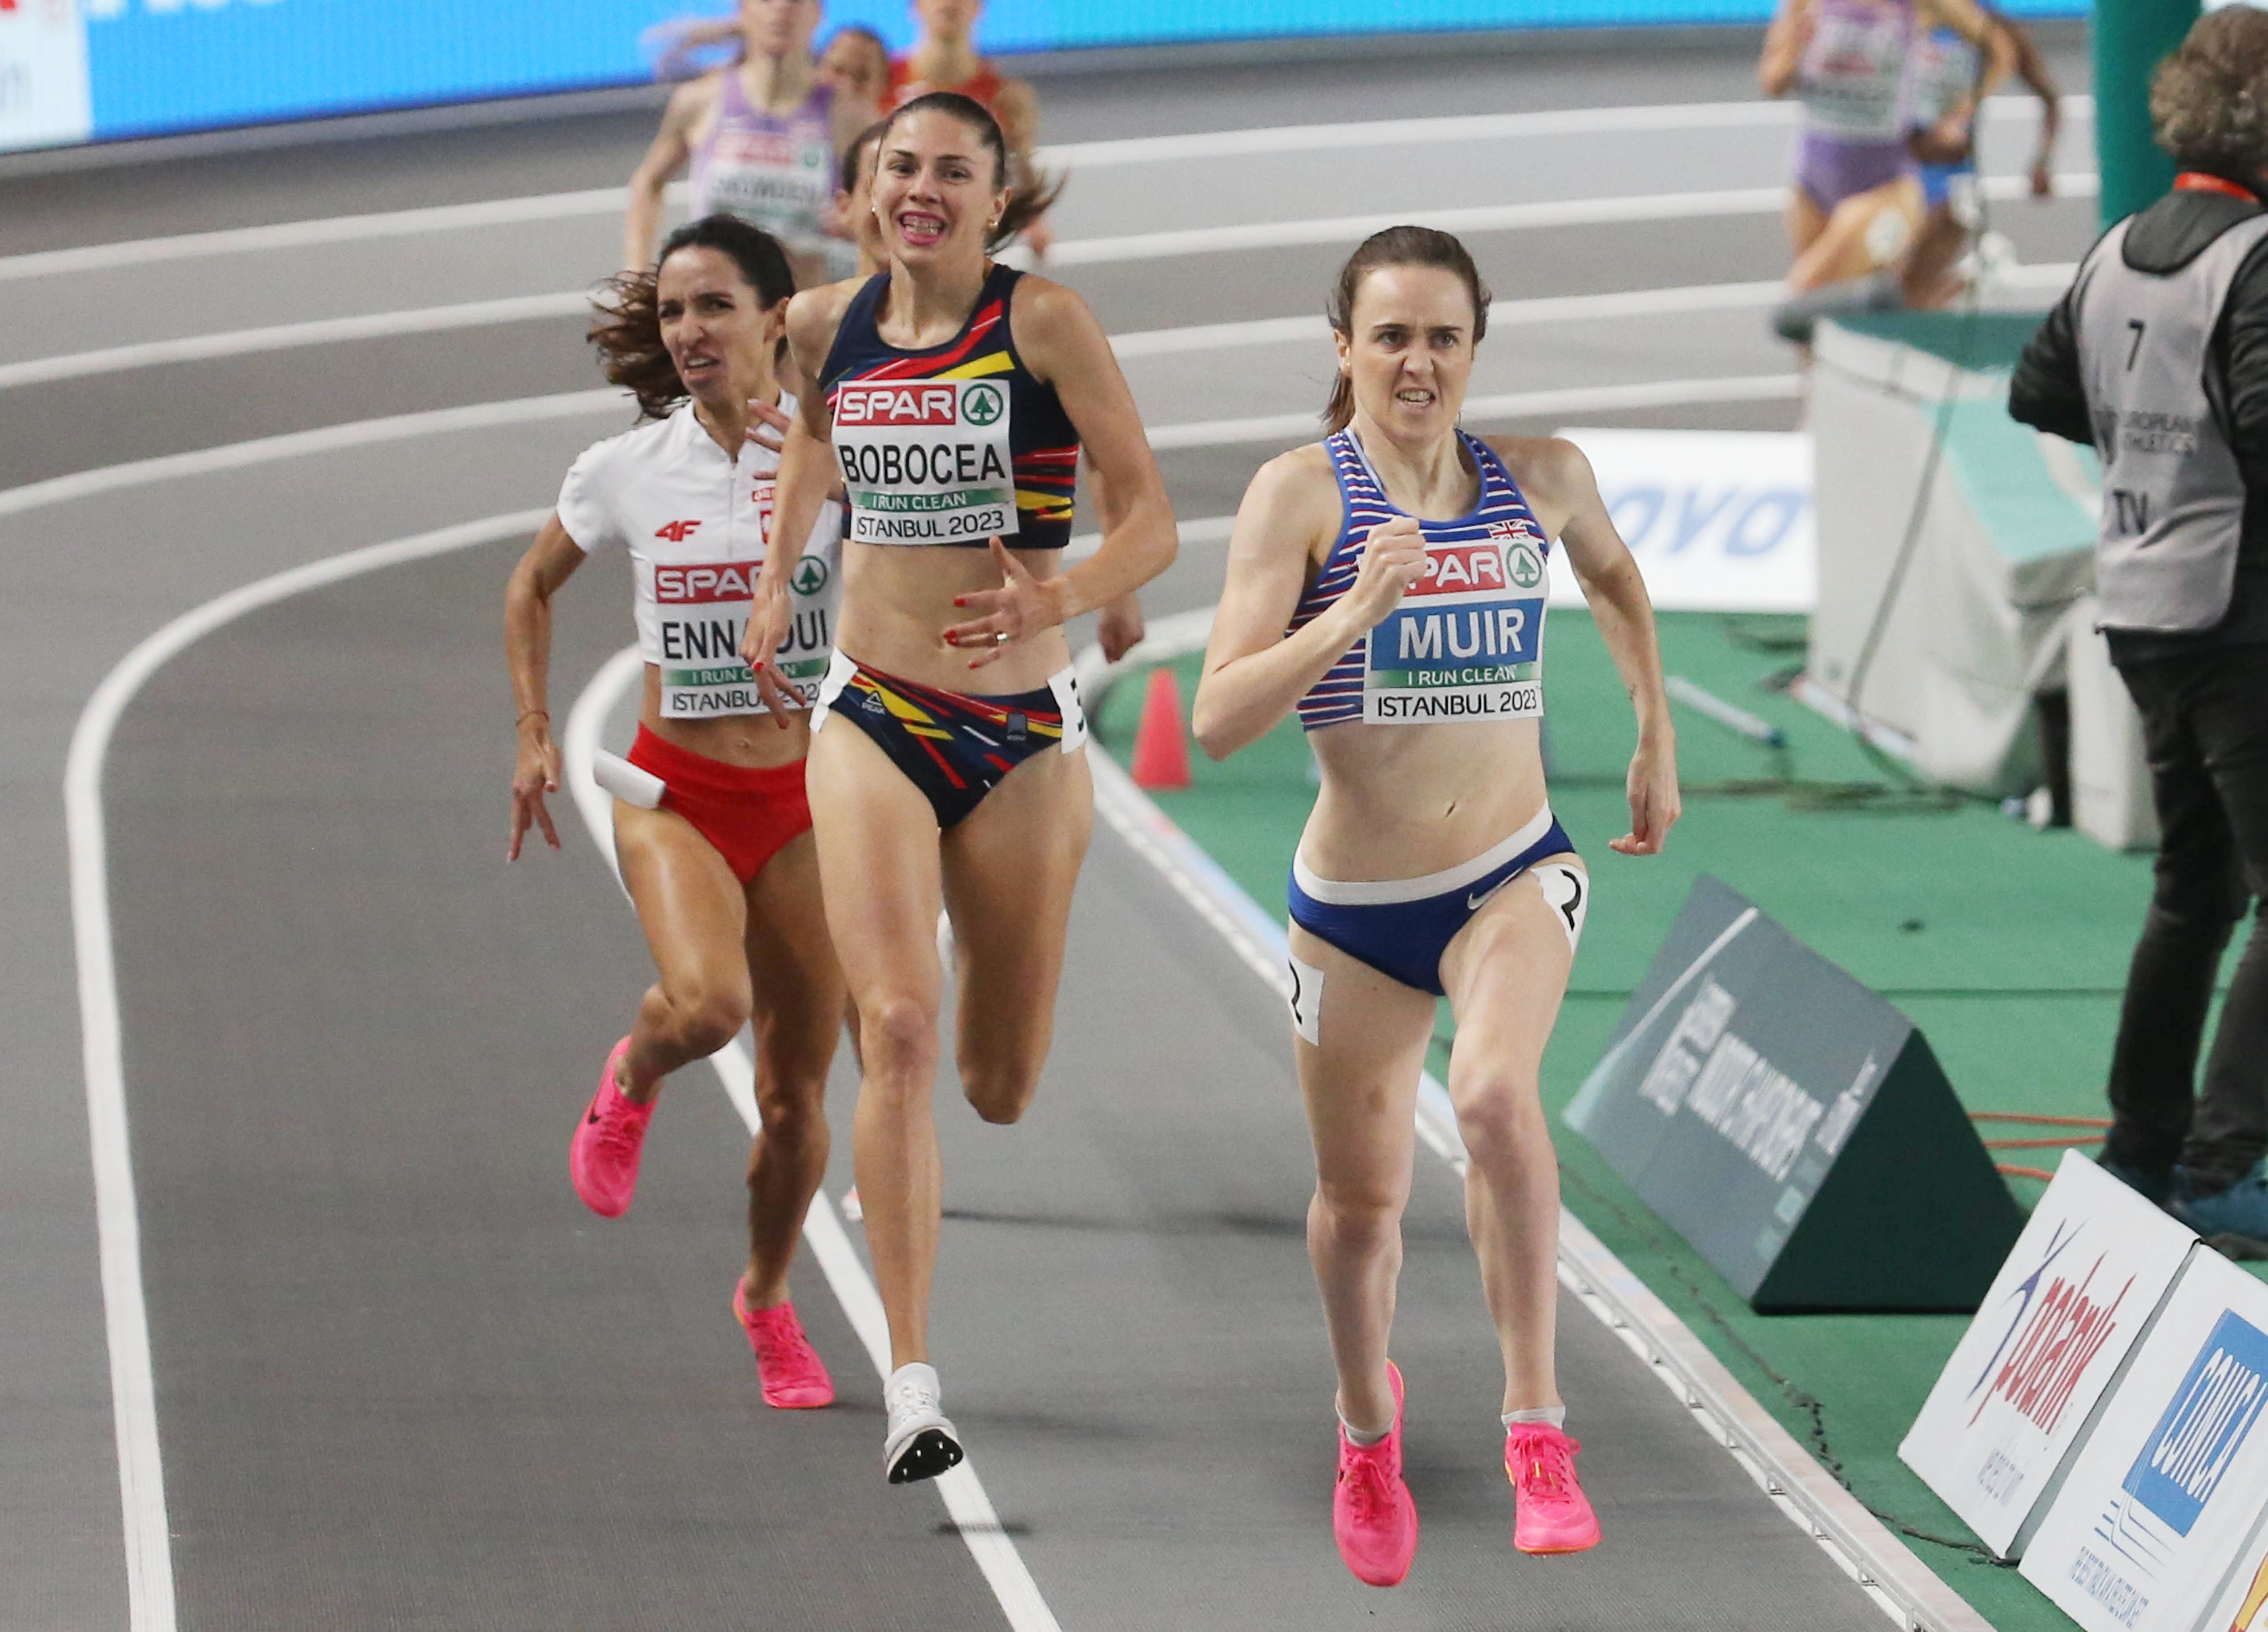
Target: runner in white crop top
column 1387, row 585
column 712, row 828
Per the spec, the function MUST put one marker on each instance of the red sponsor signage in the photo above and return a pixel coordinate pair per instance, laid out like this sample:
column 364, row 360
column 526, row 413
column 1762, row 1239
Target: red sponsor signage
column 2067, row 1329
column 1460, row 569
column 709, row 582
column 676, row 532
column 917, row 404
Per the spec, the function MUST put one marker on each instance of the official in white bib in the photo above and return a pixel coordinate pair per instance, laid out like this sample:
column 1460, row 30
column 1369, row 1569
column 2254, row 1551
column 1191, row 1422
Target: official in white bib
column 2158, row 356
column 1388, row 584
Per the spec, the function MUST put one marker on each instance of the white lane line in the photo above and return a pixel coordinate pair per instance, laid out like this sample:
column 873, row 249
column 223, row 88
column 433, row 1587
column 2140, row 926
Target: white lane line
column 118, row 1230
column 1550, row 212
column 965, row 1501
column 1899, row 1583
column 1476, row 128
column 1084, row 155
column 1511, row 405
column 324, row 439
column 599, row 201
column 282, row 336
column 570, row 404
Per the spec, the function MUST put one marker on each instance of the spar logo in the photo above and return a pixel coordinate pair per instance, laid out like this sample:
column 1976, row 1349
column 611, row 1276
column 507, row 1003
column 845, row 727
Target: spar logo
column 982, row 404
column 1459, row 569
column 676, row 532
column 706, row 584
column 2185, row 1459
column 810, row 576
column 2052, row 1339
column 922, row 406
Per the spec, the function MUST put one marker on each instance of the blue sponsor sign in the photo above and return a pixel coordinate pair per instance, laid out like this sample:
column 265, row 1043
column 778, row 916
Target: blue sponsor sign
column 2183, row 1462
column 154, row 66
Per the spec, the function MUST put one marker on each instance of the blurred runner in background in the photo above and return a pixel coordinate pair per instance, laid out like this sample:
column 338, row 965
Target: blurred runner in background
column 1946, row 82
column 765, row 138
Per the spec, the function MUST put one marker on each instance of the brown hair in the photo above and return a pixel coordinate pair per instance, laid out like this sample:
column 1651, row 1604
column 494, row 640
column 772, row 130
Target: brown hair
column 1031, row 195
column 2209, row 99
column 626, row 332
column 1397, row 246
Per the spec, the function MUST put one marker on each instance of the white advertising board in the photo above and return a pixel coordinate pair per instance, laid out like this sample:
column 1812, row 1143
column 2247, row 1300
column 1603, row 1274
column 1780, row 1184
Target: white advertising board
column 2155, row 1514
column 44, row 98
column 2090, row 1269
column 1719, row 521
column 2243, row 1605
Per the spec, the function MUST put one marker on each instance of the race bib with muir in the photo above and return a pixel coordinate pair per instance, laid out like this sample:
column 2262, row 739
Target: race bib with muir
column 926, row 461
column 1467, row 642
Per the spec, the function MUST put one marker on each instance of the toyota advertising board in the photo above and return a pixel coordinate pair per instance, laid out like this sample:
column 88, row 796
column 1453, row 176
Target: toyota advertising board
column 2067, row 1310
column 2153, row 1520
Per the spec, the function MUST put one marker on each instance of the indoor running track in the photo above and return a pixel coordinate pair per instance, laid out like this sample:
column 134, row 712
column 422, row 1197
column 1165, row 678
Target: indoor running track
column 401, row 1378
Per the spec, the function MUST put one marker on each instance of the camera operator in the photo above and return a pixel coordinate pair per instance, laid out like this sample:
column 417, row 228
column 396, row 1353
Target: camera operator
column 2158, row 355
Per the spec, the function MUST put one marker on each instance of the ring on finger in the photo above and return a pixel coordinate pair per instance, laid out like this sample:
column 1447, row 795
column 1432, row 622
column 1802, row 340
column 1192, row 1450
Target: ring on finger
column 1000, row 637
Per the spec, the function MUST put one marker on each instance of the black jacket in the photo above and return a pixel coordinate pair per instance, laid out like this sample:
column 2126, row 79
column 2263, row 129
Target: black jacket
column 2046, row 392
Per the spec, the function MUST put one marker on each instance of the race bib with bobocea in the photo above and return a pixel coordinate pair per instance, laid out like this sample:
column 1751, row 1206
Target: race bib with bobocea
column 926, row 461
column 1467, row 642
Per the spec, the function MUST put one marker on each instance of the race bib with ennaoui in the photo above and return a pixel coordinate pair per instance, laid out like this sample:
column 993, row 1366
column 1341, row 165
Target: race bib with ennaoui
column 926, row 461
column 700, row 612
column 1467, row 642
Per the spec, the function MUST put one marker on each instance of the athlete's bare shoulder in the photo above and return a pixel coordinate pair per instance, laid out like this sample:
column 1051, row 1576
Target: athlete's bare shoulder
column 815, row 313
column 1549, row 468
column 695, row 100
column 1293, row 501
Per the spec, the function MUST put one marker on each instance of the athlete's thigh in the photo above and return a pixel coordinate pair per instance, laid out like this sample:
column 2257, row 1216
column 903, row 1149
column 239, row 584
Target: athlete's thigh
column 1867, row 230
column 1010, row 867
column 1359, row 1039
column 799, row 983
column 689, row 902
column 878, row 863
column 1806, row 220
column 1506, row 971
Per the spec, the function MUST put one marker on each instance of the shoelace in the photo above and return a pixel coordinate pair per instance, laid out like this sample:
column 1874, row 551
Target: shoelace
column 1368, row 1490
column 1548, row 1466
column 620, row 1132
column 912, row 1398
column 785, row 1352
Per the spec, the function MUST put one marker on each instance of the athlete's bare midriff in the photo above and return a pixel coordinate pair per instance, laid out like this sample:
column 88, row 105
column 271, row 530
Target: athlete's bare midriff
column 753, row 742
column 897, row 603
column 1404, row 801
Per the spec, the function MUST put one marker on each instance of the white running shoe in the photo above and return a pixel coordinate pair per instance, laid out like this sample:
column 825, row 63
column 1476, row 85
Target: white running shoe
column 923, row 1441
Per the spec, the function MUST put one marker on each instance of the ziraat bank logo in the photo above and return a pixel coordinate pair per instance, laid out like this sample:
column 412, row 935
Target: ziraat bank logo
column 2052, row 1339
column 917, row 405
column 707, row 583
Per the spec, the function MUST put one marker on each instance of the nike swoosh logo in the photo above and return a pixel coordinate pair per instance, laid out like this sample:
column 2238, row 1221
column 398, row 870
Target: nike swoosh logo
column 1473, row 904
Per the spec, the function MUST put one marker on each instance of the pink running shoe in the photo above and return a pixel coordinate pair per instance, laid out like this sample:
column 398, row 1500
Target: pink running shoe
column 603, row 1161
column 794, row 1377
column 1550, row 1513
column 1373, row 1519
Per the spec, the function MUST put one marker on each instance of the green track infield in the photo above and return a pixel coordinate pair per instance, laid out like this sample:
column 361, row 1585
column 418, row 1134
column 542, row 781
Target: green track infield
column 2006, row 946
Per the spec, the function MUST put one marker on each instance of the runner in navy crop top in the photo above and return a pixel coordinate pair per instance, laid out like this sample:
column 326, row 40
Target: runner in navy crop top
column 1388, row 584
column 954, row 397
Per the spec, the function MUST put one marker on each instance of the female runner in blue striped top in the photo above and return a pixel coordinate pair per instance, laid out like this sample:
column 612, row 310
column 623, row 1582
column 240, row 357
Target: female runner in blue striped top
column 1388, row 584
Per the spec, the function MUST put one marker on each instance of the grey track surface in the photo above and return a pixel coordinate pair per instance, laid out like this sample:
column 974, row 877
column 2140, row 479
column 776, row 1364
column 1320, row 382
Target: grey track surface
column 374, row 1300
column 406, row 1380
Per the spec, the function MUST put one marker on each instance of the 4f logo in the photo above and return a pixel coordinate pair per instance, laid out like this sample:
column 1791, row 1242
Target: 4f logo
column 676, row 532
column 981, row 405
column 2133, row 511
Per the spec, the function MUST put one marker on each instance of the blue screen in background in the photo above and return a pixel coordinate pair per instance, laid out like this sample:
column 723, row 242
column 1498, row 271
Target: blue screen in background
column 215, row 63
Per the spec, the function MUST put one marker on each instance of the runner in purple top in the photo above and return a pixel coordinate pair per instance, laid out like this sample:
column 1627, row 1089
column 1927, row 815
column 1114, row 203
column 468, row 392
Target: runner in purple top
column 1856, row 201
column 765, row 138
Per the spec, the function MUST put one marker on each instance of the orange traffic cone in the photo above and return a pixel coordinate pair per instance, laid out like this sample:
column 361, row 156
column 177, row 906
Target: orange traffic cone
column 1161, row 753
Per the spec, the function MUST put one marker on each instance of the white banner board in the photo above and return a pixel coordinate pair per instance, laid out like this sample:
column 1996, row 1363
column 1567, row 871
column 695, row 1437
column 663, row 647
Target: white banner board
column 2090, row 1269
column 2243, row 1605
column 2156, row 1513
column 1719, row 521
column 44, row 97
